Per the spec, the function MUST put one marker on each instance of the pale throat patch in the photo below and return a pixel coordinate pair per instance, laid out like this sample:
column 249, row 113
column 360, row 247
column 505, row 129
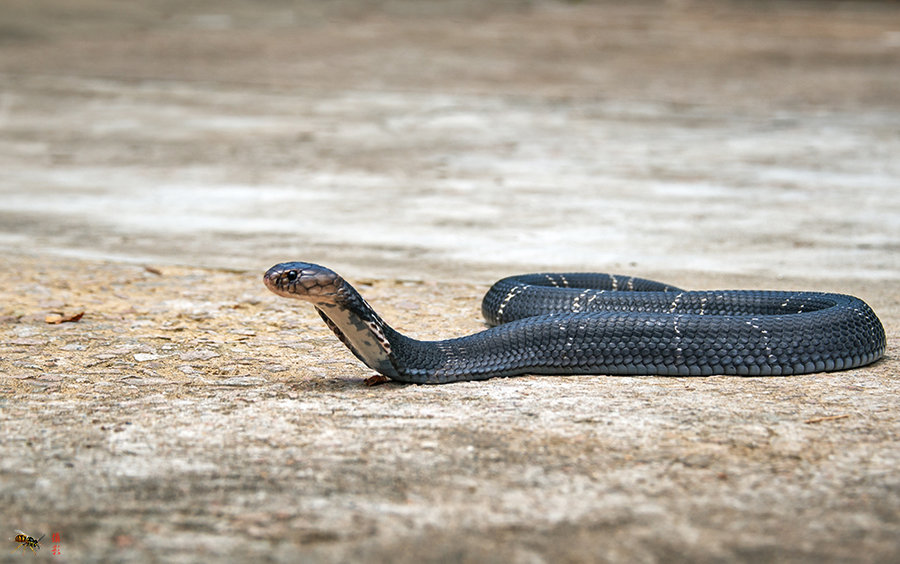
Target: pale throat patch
column 366, row 339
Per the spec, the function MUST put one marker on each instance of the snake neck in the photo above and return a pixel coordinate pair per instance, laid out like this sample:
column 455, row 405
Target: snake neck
column 357, row 325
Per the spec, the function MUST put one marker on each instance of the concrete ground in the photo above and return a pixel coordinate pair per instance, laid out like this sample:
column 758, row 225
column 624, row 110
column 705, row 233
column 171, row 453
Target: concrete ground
column 158, row 404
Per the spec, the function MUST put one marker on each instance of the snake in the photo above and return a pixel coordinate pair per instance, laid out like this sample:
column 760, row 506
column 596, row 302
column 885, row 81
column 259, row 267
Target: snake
column 603, row 324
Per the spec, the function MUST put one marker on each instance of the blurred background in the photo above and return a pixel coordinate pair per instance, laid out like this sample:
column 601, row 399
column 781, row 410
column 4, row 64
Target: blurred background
column 430, row 139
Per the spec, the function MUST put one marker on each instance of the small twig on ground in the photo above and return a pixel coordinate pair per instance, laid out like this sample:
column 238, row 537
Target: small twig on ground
column 827, row 418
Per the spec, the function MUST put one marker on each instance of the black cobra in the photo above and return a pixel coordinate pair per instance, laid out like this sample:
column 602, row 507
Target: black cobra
column 583, row 323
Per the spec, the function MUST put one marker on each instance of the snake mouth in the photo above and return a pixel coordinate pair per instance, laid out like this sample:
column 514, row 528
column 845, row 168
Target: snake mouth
column 302, row 280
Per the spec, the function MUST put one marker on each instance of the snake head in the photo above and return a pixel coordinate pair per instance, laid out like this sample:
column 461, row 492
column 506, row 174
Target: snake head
column 305, row 281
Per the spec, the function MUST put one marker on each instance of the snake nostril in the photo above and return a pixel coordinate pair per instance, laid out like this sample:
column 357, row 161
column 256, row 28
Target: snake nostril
column 291, row 275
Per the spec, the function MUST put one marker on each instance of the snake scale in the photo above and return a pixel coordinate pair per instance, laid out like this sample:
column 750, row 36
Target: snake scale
column 586, row 323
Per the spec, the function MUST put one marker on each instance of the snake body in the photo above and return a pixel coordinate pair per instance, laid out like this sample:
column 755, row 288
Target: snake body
column 585, row 323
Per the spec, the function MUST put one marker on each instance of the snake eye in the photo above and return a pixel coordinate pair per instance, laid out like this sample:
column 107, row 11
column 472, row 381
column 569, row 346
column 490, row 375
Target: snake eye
column 291, row 275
